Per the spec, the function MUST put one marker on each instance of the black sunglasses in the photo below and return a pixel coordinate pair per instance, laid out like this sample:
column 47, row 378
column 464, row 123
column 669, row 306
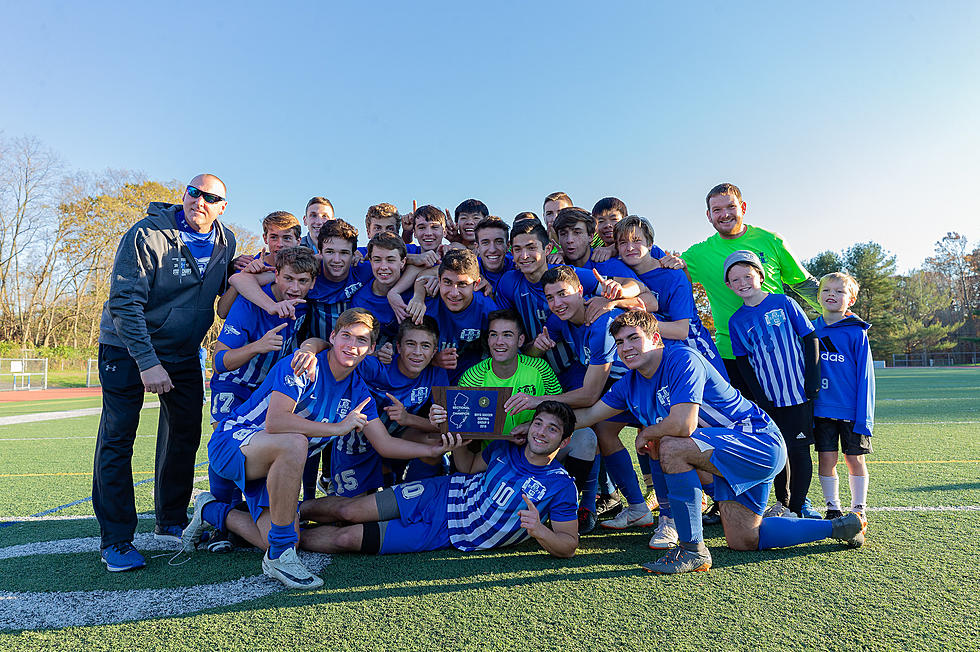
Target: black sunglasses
column 209, row 197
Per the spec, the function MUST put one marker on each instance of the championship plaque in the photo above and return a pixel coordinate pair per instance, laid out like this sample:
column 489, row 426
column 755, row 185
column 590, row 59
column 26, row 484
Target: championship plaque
column 476, row 411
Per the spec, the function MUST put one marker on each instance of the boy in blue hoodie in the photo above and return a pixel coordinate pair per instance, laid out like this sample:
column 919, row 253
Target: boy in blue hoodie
column 844, row 409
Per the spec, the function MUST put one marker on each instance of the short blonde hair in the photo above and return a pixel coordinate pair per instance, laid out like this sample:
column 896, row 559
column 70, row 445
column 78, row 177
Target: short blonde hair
column 282, row 220
column 850, row 283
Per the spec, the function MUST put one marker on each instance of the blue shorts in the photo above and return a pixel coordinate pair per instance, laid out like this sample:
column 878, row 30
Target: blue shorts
column 423, row 521
column 748, row 463
column 353, row 475
column 225, row 397
column 225, row 458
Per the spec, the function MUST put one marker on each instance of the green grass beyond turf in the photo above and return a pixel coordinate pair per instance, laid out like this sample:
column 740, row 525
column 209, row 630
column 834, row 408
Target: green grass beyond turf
column 914, row 585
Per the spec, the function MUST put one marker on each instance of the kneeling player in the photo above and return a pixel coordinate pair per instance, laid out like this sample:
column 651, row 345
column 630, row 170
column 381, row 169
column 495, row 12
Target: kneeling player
column 503, row 496
column 672, row 391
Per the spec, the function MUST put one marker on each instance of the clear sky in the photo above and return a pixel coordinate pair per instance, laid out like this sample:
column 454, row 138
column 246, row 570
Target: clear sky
column 841, row 122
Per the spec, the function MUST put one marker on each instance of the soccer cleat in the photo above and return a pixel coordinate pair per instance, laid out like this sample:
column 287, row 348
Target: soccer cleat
column 650, row 496
column 289, row 570
column 778, row 509
column 807, row 510
column 860, row 510
column 665, row 536
column 680, row 560
column 712, row 516
column 832, row 514
column 170, row 533
column 122, row 556
column 219, row 542
column 323, row 484
column 850, row 529
column 586, row 520
column 628, row 518
column 608, row 506
column 192, row 533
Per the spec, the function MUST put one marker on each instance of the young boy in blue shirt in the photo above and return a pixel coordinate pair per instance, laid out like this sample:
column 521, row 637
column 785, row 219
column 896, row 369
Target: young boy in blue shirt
column 844, row 408
column 492, row 243
column 386, row 253
column 776, row 351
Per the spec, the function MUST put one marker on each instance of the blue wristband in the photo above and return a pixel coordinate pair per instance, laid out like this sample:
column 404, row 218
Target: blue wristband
column 219, row 361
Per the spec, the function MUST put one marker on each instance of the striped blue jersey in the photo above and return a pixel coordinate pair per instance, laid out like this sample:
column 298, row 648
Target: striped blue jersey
column 769, row 334
column 515, row 291
column 494, row 277
column 247, row 323
column 847, row 376
column 593, row 344
column 326, row 300
column 464, row 330
column 684, row 376
column 318, row 395
column 482, row 508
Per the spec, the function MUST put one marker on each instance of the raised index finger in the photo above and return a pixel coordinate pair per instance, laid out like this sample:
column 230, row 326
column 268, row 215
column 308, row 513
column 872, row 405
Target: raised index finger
column 360, row 406
column 278, row 328
column 527, row 501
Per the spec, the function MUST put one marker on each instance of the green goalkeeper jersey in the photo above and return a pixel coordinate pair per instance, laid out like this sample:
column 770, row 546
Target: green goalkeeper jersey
column 534, row 376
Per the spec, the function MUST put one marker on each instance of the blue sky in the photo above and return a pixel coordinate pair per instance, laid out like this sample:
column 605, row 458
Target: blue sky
column 842, row 123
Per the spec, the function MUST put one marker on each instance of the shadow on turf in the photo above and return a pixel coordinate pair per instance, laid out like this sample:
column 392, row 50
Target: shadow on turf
column 947, row 487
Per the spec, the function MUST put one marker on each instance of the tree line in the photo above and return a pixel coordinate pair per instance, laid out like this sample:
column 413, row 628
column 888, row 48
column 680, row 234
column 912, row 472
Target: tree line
column 59, row 230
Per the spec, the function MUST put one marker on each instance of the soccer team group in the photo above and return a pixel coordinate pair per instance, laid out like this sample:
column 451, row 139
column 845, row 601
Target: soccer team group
column 324, row 369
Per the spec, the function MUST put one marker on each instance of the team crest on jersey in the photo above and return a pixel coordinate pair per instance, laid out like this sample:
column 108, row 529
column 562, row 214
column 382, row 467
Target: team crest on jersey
column 469, row 334
column 534, row 489
column 343, row 407
column 419, row 395
column 352, row 289
column 293, row 381
column 776, row 317
column 231, row 330
column 663, row 396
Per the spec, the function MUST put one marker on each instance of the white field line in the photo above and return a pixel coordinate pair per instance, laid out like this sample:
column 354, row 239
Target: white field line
column 64, row 414
column 42, row 609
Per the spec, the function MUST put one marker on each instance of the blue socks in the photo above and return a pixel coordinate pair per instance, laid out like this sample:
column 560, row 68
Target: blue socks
column 778, row 532
column 660, row 488
column 620, row 468
column 281, row 539
column 684, row 495
column 215, row 513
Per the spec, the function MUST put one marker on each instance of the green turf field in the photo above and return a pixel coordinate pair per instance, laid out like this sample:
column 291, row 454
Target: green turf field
column 914, row 585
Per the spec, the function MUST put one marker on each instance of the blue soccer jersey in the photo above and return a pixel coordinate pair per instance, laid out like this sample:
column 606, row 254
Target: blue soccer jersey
column 482, row 508
column 494, row 277
column 593, row 344
column 326, row 300
column 515, row 291
column 847, row 377
column 463, row 330
column 675, row 301
column 684, row 376
column 612, row 268
column 318, row 395
column 381, row 309
column 769, row 334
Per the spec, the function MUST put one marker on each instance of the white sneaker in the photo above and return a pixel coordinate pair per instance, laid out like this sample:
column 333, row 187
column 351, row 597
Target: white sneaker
column 778, row 509
column 629, row 518
column 289, row 570
column 665, row 536
column 192, row 533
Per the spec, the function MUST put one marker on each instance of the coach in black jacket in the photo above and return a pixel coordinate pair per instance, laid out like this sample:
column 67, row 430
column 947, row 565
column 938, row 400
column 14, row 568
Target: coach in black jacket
column 169, row 268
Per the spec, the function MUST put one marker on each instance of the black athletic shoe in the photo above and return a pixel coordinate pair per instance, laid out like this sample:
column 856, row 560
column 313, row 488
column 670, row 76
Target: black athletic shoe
column 832, row 514
column 219, row 542
column 586, row 520
column 712, row 516
column 609, row 506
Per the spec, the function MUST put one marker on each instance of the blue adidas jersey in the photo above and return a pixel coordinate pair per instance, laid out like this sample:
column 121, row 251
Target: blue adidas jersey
column 769, row 334
column 326, row 300
column 684, row 376
column 591, row 343
column 463, row 330
column 675, row 301
column 247, row 323
column 847, row 377
column 482, row 508
column 515, row 291
column 318, row 395
column 494, row 277
column 381, row 309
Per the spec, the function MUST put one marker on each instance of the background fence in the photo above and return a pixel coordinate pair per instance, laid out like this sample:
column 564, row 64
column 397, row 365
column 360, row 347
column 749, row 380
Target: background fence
column 943, row 359
column 23, row 373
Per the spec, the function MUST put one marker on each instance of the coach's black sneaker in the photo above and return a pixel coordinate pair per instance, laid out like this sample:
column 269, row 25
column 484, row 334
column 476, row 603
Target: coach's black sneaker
column 694, row 557
column 122, row 556
column 712, row 516
column 832, row 514
column 586, row 520
column 850, row 528
column 609, row 506
column 219, row 542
